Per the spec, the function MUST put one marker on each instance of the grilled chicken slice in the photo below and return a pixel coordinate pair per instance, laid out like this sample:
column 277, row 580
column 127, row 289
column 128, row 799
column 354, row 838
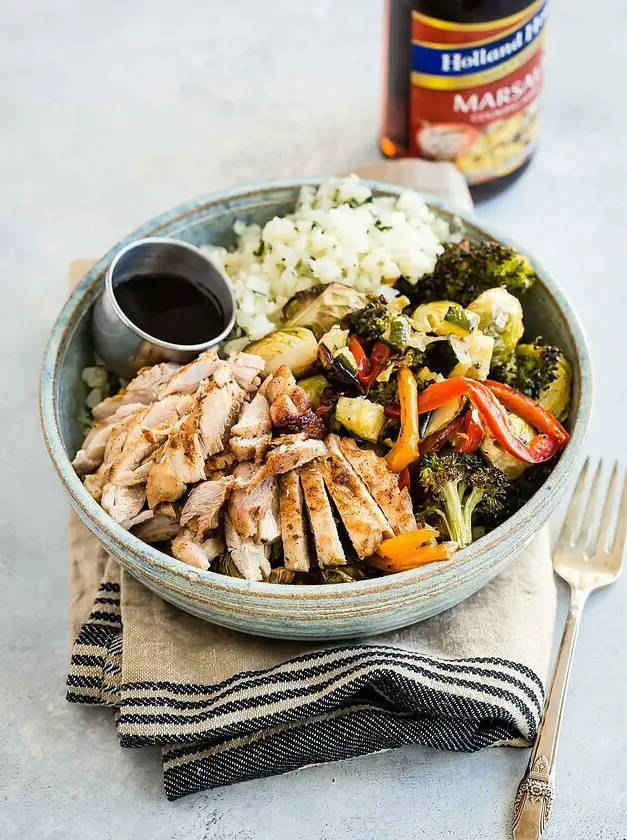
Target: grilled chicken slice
column 157, row 529
column 362, row 518
column 149, row 428
column 279, row 383
column 250, row 558
column 326, row 537
column 141, row 517
column 90, row 455
column 293, row 523
column 202, row 509
column 200, row 434
column 96, row 481
column 122, row 503
column 218, row 463
column 288, row 456
column 144, row 389
column 189, row 549
column 382, row 486
column 248, row 507
column 246, row 369
column 187, row 379
column 252, row 433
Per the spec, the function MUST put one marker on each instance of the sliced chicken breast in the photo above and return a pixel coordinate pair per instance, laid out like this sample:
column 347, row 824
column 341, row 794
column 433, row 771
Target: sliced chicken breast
column 199, row 553
column 202, row 509
column 326, row 537
column 382, row 486
column 250, row 558
column 293, row 523
column 122, row 503
column 251, row 435
column 187, row 379
column 200, row 434
column 90, row 455
column 246, row 368
column 144, row 389
column 362, row 518
column 248, row 507
column 157, row 529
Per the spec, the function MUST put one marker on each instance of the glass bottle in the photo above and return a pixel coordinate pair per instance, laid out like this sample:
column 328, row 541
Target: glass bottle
column 463, row 79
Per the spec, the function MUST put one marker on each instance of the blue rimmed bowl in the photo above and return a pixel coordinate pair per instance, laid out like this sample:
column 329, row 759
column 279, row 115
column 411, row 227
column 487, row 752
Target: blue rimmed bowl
column 298, row 612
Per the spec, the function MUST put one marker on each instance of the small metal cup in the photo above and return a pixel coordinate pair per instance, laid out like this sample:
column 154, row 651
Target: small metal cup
column 122, row 346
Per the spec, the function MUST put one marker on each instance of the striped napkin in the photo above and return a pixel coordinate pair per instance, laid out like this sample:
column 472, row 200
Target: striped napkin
column 226, row 707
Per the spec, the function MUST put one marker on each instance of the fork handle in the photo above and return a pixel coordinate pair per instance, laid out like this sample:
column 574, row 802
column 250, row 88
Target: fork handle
column 534, row 797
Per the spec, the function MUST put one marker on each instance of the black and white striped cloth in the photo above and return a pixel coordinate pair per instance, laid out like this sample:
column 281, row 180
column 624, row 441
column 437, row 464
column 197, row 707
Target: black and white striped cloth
column 323, row 706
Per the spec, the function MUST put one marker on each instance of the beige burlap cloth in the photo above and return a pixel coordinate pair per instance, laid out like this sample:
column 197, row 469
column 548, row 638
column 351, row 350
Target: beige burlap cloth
column 226, row 707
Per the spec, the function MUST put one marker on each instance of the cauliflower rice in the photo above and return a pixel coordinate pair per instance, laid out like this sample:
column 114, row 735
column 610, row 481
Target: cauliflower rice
column 338, row 233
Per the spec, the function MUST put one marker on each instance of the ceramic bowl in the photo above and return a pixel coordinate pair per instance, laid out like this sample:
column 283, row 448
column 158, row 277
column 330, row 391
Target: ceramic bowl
column 298, row 612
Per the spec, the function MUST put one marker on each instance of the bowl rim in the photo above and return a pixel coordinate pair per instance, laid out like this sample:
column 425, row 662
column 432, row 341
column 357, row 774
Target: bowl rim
column 83, row 296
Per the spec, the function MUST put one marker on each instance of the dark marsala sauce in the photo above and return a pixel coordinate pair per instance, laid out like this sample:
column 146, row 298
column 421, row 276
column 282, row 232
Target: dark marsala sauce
column 170, row 308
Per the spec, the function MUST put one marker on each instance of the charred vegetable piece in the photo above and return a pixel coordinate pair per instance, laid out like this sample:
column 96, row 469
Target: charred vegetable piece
column 466, row 269
column 320, row 307
column 458, row 485
column 398, row 548
column 543, row 446
column 543, row 372
column 501, row 318
column 499, row 457
column 479, row 349
column 398, row 333
column 361, row 417
column 405, row 449
column 337, row 359
column 421, row 557
column 295, row 347
column 371, row 321
column 444, row 317
column 314, row 386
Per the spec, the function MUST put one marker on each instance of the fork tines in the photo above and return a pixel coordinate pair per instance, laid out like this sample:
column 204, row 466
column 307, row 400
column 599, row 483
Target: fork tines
column 580, row 531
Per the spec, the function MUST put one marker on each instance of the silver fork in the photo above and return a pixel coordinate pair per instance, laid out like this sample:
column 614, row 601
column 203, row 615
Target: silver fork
column 587, row 558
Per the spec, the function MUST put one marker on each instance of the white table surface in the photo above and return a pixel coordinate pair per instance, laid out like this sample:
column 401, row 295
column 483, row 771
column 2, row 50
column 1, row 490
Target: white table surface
column 112, row 112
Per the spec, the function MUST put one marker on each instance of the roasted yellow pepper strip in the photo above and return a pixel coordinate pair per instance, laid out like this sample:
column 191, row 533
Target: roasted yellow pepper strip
column 423, row 555
column 405, row 450
column 398, row 548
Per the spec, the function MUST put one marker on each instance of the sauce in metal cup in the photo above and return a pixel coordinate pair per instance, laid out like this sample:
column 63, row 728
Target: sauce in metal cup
column 163, row 300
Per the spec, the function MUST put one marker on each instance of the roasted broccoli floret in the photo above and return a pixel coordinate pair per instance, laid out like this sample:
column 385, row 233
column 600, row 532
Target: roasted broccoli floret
column 460, row 486
column 542, row 372
column 466, row 269
column 384, row 393
column 370, row 322
column 517, row 493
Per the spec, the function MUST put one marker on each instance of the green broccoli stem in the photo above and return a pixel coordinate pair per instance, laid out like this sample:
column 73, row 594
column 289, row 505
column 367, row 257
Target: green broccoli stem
column 458, row 527
column 468, row 509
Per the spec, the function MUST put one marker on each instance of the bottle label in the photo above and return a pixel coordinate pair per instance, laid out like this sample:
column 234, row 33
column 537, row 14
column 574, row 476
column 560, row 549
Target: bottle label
column 474, row 91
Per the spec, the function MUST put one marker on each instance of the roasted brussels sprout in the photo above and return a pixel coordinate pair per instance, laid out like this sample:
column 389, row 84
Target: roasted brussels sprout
column 295, row 347
column 315, row 387
column 544, row 373
column 498, row 457
column 320, row 307
column 501, row 317
column 361, row 416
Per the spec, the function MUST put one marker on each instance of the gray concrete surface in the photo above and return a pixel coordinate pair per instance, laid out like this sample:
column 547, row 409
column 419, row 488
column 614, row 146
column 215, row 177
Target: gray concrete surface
column 112, row 112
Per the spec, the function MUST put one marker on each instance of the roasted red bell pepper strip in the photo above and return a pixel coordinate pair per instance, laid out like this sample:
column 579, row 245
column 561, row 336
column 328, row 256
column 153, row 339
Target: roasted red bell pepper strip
column 540, row 448
column 378, row 359
column 403, row 479
column 436, row 440
column 363, row 365
column 529, row 410
column 470, row 437
column 405, row 450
